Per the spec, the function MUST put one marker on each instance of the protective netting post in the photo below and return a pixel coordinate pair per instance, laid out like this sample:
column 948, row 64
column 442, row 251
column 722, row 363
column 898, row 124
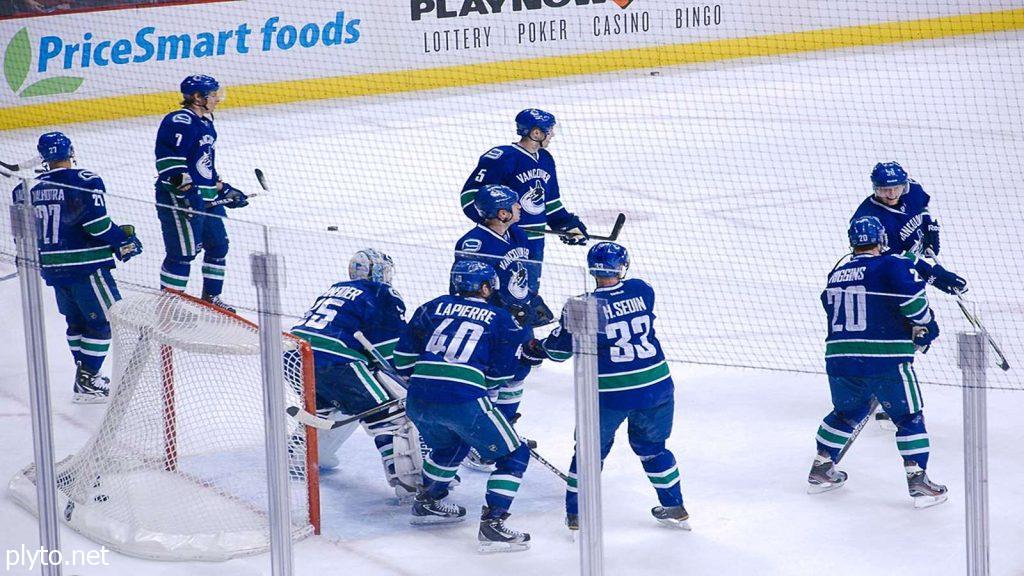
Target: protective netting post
column 266, row 270
column 583, row 322
column 24, row 224
column 972, row 364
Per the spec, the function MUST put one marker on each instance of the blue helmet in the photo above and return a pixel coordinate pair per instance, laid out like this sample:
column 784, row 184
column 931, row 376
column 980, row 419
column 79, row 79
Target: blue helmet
column 471, row 275
column 200, row 83
column 370, row 264
column 868, row 231
column 888, row 174
column 608, row 260
column 534, row 118
column 54, row 147
column 492, row 198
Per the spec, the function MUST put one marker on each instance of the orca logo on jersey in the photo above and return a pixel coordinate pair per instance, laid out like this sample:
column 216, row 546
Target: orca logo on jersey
column 518, row 284
column 205, row 165
column 533, row 201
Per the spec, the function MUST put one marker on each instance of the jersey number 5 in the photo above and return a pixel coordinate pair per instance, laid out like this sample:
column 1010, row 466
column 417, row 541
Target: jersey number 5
column 459, row 348
column 623, row 350
column 853, row 302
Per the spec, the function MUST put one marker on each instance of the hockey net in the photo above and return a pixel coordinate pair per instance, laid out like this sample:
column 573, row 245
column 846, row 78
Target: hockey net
column 177, row 469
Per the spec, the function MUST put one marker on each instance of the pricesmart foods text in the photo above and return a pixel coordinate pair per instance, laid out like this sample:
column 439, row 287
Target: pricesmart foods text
column 147, row 45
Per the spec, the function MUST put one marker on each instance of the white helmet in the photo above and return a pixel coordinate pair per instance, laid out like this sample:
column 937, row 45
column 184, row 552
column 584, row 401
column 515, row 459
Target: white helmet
column 371, row 264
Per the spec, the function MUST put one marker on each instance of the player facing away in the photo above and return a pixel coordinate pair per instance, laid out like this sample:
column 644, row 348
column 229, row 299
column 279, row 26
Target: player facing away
column 878, row 313
column 191, row 197
column 901, row 205
column 77, row 244
column 457, row 352
column 528, row 168
column 346, row 383
column 634, row 383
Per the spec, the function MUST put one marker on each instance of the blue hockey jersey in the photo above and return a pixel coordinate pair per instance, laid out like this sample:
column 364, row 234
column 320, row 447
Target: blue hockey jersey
column 631, row 368
column 873, row 303
column 902, row 222
column 510, row 257
column 533, row 177
column 185, row 143
column 348, row 307
column 457, row 349
column 75, row 235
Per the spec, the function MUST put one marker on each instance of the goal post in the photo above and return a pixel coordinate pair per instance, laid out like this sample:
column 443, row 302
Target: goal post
column 177, row 468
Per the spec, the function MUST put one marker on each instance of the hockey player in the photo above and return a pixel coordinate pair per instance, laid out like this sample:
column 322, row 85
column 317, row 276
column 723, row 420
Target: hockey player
column 191, row 197
column 901, row 206
column 457, row 351
column 633, row 380
column 77, row 244
column 878, row 313
column 528, row 168
column 345, row 382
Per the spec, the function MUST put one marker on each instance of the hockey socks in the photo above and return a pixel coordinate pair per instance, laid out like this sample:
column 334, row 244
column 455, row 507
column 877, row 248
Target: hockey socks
column 663, row 473
column 912, row 439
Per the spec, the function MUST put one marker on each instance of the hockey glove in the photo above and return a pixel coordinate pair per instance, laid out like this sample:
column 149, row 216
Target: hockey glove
column 233, row 197
column 180, row 183
column 540, row 313
column 924, row 335
column 130, row 246
column 930, row 227
column 532, row 352
column 574, row 232
column 947, row 281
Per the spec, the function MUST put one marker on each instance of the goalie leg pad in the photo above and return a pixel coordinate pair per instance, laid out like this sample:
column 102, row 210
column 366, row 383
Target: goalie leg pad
column 328, row 441
column 407, row 469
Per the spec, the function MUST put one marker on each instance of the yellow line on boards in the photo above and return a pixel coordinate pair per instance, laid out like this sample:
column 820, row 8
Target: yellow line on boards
column 115, row 107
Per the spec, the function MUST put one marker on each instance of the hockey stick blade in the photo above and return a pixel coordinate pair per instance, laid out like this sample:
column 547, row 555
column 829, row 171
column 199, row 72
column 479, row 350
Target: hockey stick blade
column 23, row 165
column 307, row 419
column 262, row 179
column 612, row 236
column 976, row 322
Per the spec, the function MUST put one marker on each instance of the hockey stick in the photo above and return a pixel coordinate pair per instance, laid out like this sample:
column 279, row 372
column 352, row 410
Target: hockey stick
column 6, row 277
column 319, row 423
column 374, row 353
column 532, row 444
column 23, row 165
column 611, row 237
column 857, row 429
column 976, row 322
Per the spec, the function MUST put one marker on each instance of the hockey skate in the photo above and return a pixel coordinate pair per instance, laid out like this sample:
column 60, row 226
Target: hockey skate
column 90, row 388
column 824, row 476
column 216, row 301
column 924, row 492
column 494, row 536
column 476, row 462
column 572, row 522
column 674, row 516
column 426, row 511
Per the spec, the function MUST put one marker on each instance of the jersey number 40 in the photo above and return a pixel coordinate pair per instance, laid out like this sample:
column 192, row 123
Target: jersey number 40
column 458, row 347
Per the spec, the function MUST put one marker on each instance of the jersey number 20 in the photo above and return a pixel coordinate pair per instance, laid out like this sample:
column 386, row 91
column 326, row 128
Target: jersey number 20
column 459, row 347
column 853, row 302
column 623, row 350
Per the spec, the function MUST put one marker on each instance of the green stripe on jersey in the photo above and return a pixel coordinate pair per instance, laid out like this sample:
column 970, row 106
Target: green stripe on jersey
column 387, row 348
column 869, row 348
column 76, row 257
column 452, row 372
column 405, row 360
column 634, row 379
column 467, row 197
column 553, row 206
column 209, row 193
column 97, row 226
column 330, row 345
column 164, row 164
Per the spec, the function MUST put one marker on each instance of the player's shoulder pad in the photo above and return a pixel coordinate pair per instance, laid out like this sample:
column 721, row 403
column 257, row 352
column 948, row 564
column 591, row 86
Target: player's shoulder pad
column 518, row 234
column 637, row 284
column 87, row 176
column 866, row 208
column 493, row 154
column 179, row 118
column 544, row 154
column 469, row 244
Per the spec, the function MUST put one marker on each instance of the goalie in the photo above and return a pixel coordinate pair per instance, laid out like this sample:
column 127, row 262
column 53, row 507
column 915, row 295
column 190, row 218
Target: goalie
column 345, row 381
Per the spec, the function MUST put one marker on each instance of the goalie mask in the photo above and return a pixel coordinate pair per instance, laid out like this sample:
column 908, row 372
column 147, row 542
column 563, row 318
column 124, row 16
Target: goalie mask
column 371, row 264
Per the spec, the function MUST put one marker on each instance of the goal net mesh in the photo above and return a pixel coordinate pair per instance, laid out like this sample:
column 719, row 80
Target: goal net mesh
column 177, row 469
